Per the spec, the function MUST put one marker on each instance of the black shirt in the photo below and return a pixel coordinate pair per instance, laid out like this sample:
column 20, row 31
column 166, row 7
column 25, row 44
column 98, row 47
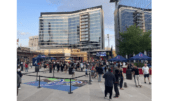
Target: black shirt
column 120, row 72
column 117, row 75
column 136, row 71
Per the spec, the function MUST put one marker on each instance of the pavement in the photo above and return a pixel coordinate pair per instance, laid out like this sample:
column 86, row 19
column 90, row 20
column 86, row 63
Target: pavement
column 88, row 92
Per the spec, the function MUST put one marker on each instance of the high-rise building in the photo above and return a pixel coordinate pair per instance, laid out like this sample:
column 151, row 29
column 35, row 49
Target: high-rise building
column 33, row 42
column 125, row 16
column 83, row 29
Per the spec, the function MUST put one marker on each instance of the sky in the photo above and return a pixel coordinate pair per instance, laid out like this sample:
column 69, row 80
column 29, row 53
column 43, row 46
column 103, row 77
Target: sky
column 28, row 13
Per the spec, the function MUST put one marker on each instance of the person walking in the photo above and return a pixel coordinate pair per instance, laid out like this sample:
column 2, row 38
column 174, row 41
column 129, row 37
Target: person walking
column 109, row 81
column 136, row 74
column 145, row 71
column 121, row 78
column 20, row 74
column 100, row 72
column 116, row 82
column 96, row 70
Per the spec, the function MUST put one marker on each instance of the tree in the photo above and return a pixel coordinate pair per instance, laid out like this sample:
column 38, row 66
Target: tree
column 134, row 40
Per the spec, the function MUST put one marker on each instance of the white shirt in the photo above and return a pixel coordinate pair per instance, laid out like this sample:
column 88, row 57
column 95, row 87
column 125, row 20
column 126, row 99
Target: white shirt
column 107, row 63
column 146, row 70
column 81, row 65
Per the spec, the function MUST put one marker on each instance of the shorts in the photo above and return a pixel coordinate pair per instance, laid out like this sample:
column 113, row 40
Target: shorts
column 146, row 75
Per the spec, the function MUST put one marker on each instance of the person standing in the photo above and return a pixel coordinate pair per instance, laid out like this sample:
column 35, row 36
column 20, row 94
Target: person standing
column 81, row 64
column 44, row 67
column 116, row 82
column 92, row 71
column 62, row 66
column 121, row 78
column 54, row 64
column 109, row 81
column 58, row 66
column 135, row 71
column 18, row 82
column 145, row 71
column 20, row 74
column 50, row 67
column 73, row 72
column 26, row 67
column 100, row 72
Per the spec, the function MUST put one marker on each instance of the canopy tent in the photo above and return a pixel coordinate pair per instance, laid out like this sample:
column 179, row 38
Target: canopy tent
column 37, row 59
column 118, row 58
column 140, row 56
column 52, row 58
column 70, row 59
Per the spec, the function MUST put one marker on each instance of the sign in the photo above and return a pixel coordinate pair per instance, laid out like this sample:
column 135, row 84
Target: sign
column 101, row 54
column 35, row 61
column 67, row 54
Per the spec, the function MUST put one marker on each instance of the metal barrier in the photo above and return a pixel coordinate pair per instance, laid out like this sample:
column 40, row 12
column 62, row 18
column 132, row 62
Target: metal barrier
column 70, row 92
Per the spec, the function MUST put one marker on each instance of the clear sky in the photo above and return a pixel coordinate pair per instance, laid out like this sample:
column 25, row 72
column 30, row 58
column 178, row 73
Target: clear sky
column 28, row 13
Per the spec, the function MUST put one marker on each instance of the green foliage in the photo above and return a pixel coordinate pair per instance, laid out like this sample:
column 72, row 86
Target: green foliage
column 139, row 64
column 134, row 40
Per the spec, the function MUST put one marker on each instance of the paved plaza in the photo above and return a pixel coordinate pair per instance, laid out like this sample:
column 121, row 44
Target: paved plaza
column 88, row 92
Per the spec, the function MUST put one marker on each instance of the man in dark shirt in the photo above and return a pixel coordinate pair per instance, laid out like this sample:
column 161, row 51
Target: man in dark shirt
column 109, row 81
column 135, row 71
column 116, row 83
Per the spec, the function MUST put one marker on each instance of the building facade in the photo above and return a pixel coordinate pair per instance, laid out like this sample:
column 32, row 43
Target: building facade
column 82, row 29
column 125, row 16
column 33, row 42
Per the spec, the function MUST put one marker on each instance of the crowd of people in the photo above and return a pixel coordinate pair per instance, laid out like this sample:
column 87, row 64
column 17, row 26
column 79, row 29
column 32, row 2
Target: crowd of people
column 112, row 72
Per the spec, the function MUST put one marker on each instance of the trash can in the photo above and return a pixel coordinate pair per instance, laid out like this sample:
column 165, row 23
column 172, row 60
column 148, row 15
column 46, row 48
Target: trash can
column 70, row 70
column 128, row 74
column 36, row 68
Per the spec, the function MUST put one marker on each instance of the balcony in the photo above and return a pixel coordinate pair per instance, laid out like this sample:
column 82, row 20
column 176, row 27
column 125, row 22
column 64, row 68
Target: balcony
column 82, row 17
column 84, row 33
column 85, row 20
column 84, row 23
column 85, row 29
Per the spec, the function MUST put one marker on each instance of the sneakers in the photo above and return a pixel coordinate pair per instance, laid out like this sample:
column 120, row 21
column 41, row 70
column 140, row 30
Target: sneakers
column 110, row 99
column 19, row 88
column 105, row 97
